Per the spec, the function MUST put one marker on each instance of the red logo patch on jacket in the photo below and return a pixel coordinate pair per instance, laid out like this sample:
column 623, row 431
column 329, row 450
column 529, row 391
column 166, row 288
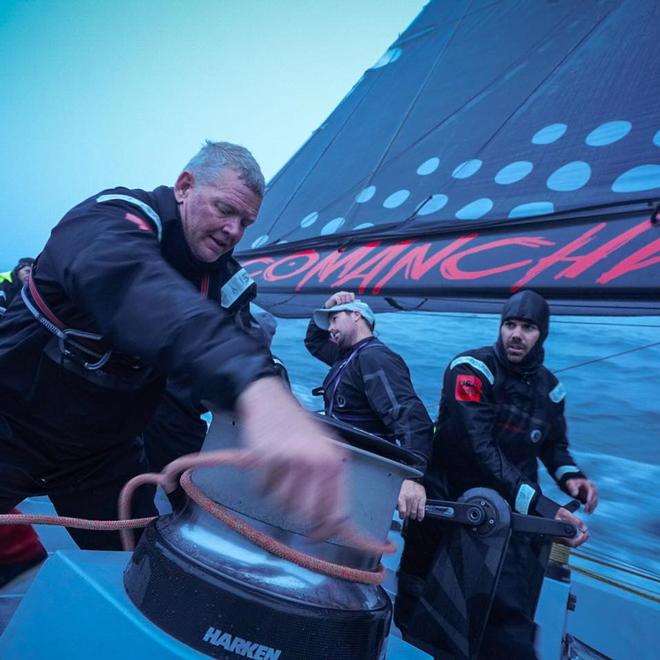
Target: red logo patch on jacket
column 468, row 388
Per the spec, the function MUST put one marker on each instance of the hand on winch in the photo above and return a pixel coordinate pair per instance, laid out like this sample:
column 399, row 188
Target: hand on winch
column 583, row 532
column 304, row 468
column 412, row 500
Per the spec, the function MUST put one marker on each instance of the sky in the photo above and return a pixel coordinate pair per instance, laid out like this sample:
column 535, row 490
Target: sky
column 100, row 93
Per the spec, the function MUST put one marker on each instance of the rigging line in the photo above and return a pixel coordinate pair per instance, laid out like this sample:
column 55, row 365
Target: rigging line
column 618, row 565
column 350, row 115
column 495, row 317
column 606, row 357
column 616, row 325
column 417, row 96
column 518, row 106
column 615, row 583
column 323, row 151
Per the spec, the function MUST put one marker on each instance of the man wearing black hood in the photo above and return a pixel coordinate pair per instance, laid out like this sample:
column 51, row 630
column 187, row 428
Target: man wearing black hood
column 500, row 411
column 12, row 281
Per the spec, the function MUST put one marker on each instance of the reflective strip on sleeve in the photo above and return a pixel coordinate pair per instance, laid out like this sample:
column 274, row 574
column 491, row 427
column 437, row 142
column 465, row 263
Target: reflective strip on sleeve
column 564, row 470
column 234, row 288
column 523, row 498
column 477, row 364
column 557, row 393
column 145, row 208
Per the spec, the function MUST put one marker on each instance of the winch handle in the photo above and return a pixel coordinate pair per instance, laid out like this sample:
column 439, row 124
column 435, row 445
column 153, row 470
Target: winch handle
column 572, row 506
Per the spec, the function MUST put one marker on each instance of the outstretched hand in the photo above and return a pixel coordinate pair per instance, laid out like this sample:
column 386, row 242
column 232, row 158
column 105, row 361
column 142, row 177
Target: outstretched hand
column 583, row 533
column 339, row 298
column 304, row 469
column 585, row 491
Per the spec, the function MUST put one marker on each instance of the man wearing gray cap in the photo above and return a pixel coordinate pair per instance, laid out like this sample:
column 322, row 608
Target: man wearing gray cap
column 368, row 385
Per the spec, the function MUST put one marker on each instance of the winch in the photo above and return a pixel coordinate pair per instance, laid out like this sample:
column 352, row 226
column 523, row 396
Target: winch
column 216, row 591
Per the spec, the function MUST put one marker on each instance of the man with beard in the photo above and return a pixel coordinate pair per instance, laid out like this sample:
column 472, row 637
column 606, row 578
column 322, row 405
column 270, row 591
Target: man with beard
column 500, row 410
column 369, row 386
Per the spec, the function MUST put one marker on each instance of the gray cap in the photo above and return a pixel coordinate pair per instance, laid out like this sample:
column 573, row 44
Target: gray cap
column 321, row 316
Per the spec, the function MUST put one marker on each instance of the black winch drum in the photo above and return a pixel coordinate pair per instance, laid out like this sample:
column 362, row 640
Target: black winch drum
column 219, row 593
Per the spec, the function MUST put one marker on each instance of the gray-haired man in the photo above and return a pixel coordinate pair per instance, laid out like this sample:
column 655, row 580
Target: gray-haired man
column 118, row 301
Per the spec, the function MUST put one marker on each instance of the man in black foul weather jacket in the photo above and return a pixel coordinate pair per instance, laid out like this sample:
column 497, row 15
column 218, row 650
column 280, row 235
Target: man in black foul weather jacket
column 177, row 427
column 500, row 410
column 119, row 299
column 12, row 281
column 368, row 385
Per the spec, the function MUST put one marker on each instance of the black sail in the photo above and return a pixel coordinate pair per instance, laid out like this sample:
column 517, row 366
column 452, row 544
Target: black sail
column 494, row 146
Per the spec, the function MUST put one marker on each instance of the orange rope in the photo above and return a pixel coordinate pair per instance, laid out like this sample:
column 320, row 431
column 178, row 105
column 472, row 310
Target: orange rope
column 285, row 552
column 167, row 479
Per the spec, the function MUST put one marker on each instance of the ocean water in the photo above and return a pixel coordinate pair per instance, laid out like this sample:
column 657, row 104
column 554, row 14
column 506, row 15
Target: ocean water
column 612, row 406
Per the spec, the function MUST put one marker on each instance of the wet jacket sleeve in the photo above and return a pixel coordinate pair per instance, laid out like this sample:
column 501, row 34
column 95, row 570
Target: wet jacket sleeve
column 113, row 269
column 471, row 403
column 555, row 454
column 391, row 395
column 317, row 342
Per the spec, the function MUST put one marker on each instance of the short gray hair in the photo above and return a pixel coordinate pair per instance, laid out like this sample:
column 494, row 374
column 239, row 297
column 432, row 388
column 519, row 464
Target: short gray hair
column 213, row 157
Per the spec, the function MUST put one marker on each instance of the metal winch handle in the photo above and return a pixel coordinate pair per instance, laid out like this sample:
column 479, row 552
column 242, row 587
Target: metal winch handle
column 542, row 526
column 474, row 514
column 463, row 513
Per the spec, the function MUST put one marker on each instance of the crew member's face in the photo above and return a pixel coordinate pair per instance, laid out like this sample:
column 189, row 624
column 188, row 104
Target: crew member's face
column 519, row 338
column 215, row 216
column 24, row 273
column 343, row 328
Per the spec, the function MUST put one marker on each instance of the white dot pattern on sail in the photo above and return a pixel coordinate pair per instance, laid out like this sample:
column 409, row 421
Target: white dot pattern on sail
column 608, row 133
column 309, row 219
column 428, row 166
column 475, row 210
column 332, row 226
column 396, row 199
column 531, row 209
column 569, row 177
column 390, row 56
column 467, row 168
column 435, row 203
column 513, row 172
column 262, row 240
column 549, row 134
column 365, row 195
column 638, row 179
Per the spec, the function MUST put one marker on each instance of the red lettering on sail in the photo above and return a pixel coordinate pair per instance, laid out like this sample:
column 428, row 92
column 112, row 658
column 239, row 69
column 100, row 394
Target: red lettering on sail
column 415, row 264
column 252, row 262
column 368, row 270
column 451, row 270
column 582, row 262
column 558, row 256
column 337, row 260
column 290, row 265
column 635, row 261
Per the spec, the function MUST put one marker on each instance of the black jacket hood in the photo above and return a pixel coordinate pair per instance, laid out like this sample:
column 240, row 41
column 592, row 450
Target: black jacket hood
column 528, row 306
